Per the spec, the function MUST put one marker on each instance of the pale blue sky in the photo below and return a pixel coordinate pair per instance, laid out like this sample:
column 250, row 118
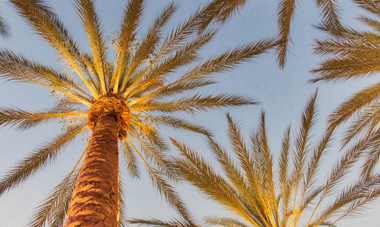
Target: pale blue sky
column 282, row 93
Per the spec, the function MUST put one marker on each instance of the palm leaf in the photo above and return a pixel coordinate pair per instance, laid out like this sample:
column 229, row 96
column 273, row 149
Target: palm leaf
column 286, row 9
column 331, row 17
column 148, row 44
column 370, row 22
column 356, row 196
column 51, row 29
column 371, row 6
column 24, row 119
column 353, row 105
column 17, row 68
column 130, row 159
column 53, row 211
column 39, row 158
column 227, row 222
column 194, row 103
column 91, row 23
column 169, row 193
column 131, row 19
column 231, row 58
column 367, row 120
column 123, row 222
column 4, row 28
column 155, row 222
column 178, row 123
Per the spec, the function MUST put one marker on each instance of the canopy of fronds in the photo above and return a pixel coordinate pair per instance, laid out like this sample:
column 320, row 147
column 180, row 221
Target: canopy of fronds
column 261, row 195
column 356, row 55
column 135, row 88
column 286, row 11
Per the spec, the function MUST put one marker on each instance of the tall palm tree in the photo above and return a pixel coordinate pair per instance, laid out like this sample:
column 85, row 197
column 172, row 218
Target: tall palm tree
column 286, row 11
column 356, row 55
column 123, row 103
column 263, row 196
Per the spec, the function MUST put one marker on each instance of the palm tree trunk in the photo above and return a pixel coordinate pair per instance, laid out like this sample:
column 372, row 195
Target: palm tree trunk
column 95, row 200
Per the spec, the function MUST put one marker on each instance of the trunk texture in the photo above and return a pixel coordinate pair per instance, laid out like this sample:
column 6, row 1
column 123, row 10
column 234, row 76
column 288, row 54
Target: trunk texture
column 95, row 200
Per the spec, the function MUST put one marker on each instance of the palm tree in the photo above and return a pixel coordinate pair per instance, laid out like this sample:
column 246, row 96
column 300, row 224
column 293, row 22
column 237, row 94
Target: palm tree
column 286, row 10
column 355, row 56
column 263, row 196
column 123, row 103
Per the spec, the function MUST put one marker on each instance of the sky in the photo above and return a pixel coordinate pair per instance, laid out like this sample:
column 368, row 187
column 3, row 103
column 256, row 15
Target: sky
column 281, row 93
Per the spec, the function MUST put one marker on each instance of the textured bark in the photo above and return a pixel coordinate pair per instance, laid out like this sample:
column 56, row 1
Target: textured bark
column 95, row 198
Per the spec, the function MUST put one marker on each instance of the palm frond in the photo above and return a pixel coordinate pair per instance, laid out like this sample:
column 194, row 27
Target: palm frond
column 353, row 105
column 366, row 120
column 130, row 159
column 148, row 44
column 344, row 68
column 171, row 196
column 91, row 23
column 123, row 222
column 371, row 159
column 178, row 123
column 238, row 182
column 283, row 165
column 4, row 28
column 227, row 222
column 14, row 67
column 184, row 55
column 128, row 30
column 302, row 140
column 177, row 87
column 154, row 151
column 286, row 9
column 24, row 119
column 231, row 58
column 46, row 23
column 363, row 46
column 195, row 103
column 155, row 222
column 330, row 12
column 53, row 211
column 371, row 6
column 357, row 195
column 39, row 158
column 198, row 172
column 375, row 24
column 239, row 147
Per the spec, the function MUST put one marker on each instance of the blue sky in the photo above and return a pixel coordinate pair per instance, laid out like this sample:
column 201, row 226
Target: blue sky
column 281, row 93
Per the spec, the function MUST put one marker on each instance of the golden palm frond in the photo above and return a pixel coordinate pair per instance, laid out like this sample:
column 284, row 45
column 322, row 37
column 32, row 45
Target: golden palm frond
column 371, row 6
column 17, row 68
column 366, row 122
column 53, row 211
column 91, row 23
column 286, row 11
column 330, row 11
column 159, row 223
column 51, row 29
column 39, row 158
column 130, row 159
column 195, row 103
column 24, row 119
column 227, row 222
column 358, row 101
column 355, row 196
